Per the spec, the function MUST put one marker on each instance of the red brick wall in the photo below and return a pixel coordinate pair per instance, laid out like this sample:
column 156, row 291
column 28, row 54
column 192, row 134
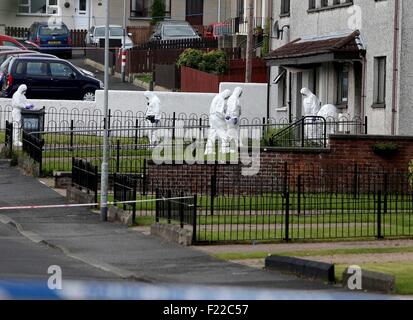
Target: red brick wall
column 343, row 154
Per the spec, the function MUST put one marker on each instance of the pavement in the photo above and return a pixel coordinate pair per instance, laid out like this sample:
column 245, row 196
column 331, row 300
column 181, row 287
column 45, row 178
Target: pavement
column 85, row 248
column 114, row 82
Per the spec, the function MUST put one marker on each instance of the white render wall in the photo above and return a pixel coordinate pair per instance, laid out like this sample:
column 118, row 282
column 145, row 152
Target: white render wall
column 253, row 99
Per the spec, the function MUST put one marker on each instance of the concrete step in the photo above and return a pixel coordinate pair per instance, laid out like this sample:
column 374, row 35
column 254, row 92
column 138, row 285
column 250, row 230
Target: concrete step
column 5, row 163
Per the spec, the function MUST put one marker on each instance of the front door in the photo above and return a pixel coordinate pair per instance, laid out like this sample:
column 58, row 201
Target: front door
column 82, row 14
column 195, row 12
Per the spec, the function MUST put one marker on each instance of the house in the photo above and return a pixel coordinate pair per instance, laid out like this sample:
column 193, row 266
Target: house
column 353, row 54
column 79, row 14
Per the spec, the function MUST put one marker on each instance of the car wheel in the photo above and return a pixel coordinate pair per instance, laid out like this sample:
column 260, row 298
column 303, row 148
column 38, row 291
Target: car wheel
column 89, row 96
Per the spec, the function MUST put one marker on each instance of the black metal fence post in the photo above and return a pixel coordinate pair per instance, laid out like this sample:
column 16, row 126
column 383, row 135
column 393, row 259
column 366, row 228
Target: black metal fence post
column 366, row 127
column 299, row 194
column 157, row 205
column 287, row 217
column 117, row 155
column 135, row 182
column 355, row 181
column 379, row 233
column 169, row 204
column 385, row 188
column 181, row 210
column 71, row 134
column 115, row 188
column 144, row 178
column 194, row 221
column 41, row 145
column 173, row 126
column 136, row 133
column 303, row 133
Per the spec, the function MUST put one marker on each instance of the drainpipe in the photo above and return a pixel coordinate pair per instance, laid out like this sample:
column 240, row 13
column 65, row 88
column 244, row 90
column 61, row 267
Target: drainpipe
column 363, row 86
column 395, row 65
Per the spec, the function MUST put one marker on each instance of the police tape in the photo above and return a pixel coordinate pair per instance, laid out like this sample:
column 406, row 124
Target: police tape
column 92, row 204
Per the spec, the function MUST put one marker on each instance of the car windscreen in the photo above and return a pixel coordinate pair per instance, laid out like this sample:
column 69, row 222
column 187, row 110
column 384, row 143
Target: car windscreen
column 55, row 31
column 178, row 31
column 114, row 32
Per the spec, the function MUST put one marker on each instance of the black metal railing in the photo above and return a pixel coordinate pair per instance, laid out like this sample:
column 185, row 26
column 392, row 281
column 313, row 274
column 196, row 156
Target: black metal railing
column 177, row 206
column 313, row 132
column 33, row 146
column 85, row 177
column 125, row 191
column 8, row 140
column 296, row 203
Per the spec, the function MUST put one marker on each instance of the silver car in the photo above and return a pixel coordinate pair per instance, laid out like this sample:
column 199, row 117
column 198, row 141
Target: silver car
column 116, row 32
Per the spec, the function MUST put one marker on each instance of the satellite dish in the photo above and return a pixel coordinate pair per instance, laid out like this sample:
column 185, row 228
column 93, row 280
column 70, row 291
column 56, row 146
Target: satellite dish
column 276, row 29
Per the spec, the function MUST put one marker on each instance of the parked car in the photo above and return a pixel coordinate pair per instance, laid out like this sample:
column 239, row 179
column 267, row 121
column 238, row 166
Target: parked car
column 28, row 44
column 55, row 40
column 7, row 41
column 216, row 30
column 9, row 48
column 97, row 33
column 173, row 30
column 48, row 78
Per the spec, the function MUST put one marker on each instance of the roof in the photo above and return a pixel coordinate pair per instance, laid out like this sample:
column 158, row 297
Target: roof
column 340, row 44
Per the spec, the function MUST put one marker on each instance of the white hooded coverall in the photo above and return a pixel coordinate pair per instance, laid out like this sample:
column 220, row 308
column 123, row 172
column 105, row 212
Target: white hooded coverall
column 153, row 114
column 232, row 117
column 217, row 123
column 19, row 102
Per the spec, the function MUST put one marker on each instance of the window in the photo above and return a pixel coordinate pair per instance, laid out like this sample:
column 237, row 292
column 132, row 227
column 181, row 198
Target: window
column 380, row 81
column 285, row 7
column 314, row 5
column 36, row 6
column 342, row 88
column 142, row 8
column 60, row 70
column 36, row 69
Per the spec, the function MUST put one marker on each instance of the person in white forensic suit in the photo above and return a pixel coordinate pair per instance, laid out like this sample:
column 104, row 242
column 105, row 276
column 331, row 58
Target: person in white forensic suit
column 217, row 123
column 232, row 117
column 153, row 115
column 19, row 103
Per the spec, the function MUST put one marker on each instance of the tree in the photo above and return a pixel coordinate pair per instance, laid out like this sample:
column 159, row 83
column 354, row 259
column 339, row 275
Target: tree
column 158, row 11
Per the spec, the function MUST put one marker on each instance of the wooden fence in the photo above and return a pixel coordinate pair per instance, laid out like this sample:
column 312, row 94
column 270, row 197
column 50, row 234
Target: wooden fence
column 78, row 36
column 140, row 34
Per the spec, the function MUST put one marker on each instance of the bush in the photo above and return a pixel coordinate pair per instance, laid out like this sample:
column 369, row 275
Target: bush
column 190, row 58
column 212, row 62
column 157, row 11
column 274, row 138
column 385, row 149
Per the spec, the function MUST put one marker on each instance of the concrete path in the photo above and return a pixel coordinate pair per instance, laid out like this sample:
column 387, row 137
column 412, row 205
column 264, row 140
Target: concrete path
column 84, row 247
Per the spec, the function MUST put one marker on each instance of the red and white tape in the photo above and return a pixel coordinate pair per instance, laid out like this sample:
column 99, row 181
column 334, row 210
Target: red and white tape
column 77, row 205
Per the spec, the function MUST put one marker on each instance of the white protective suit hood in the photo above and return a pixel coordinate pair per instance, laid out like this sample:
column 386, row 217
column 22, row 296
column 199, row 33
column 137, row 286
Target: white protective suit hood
column 218, row 105
column 19, row 99
column 311, row 104
column 234, row 105
column 154, row 105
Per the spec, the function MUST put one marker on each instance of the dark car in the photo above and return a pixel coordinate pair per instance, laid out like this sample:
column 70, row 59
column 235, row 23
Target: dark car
column 173, row 30
column 54, row 39
column 48, row 78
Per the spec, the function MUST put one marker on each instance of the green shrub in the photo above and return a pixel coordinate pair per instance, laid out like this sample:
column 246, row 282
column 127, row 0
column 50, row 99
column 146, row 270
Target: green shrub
column 410, row 168
column 385, row 149
column 190, row 58
column 212, row 62
column 157, row 11
column 274, row 138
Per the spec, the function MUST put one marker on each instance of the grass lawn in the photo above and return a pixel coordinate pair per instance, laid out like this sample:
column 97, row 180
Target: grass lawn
column 2, row 136
column 403, row 271
column 144, row 77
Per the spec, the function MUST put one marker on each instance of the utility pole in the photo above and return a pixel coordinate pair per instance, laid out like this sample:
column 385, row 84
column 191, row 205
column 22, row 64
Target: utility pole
column 250, row 42
column 105, row 161
column 124, row 43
